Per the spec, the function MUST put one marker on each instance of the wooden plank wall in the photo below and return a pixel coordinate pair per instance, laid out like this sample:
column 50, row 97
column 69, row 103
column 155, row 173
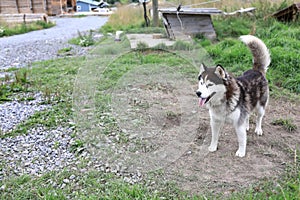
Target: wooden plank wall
column 8, row 6
column 191, row 24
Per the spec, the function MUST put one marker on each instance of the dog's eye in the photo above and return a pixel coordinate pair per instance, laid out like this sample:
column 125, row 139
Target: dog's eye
column 208, row 85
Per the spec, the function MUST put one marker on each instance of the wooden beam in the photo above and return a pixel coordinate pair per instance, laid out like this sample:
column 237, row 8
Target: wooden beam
column 31, row 6
column 46, row 6
column 17, row 6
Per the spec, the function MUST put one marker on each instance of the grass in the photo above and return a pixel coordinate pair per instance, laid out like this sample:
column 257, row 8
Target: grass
column 125, row 18
column 83, row 40
column 87, row 185
column 282, row 40
column 20, row 83
column 20, row 28
column 287, row 124
column 55, row 79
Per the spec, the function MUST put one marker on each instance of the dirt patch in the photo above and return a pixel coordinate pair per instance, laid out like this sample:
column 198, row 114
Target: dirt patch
column 267, row 155
column 176, row 132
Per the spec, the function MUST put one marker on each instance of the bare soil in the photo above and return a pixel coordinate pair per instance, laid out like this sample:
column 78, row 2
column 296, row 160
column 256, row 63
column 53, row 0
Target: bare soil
column 222, row 172
column 176, row 134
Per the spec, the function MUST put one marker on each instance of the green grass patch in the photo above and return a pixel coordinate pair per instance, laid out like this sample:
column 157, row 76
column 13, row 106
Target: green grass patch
column 55, row 79
column 287, row 124
column 19, row 83
column 15, row 29
column 83, row 39
column 64, row 50
column 281, row 39
column 89, row 185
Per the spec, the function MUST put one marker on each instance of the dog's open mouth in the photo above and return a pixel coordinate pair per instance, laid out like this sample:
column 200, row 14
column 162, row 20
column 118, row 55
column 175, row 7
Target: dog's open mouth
column 203, row 101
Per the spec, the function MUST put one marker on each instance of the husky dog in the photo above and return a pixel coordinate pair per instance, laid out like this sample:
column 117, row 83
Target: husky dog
column 231, row 99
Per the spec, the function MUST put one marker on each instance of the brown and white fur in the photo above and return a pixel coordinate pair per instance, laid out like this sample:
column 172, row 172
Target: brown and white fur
column 231, row 99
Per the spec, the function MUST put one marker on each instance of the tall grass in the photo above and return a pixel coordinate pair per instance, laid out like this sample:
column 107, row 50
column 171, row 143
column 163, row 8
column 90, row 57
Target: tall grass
column 281, row 38
column 125, row 18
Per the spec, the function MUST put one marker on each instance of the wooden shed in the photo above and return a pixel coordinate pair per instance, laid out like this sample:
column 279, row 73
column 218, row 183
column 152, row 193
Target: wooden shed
column 49, row 7
column 189, row 22
column 290, row 13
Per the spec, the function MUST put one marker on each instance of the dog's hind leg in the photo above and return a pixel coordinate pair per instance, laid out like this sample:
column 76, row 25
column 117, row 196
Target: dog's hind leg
column 216, row 126
column 260, row 113
column 242, row 139
column 247, row 123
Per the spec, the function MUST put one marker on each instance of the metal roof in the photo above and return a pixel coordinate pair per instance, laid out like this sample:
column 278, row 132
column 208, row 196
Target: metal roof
column 192, row 10
column 95, row 3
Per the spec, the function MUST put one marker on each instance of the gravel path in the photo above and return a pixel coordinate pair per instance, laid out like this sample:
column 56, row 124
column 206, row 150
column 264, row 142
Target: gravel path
column 40, row 150
column 21, row 50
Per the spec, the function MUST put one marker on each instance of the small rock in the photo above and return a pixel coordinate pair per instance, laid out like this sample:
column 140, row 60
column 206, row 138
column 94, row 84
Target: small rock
column 72, row 177
column 66, row 181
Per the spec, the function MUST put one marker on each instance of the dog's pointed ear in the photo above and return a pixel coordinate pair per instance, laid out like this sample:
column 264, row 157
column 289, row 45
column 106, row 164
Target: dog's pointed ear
column 202, row 68
column 220, row 71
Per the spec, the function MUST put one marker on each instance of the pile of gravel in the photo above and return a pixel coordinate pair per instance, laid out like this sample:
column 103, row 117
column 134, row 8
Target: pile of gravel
column 39, row 151
column 21, row 50
column 42, row 150
column 23, row 54
column 14, row 112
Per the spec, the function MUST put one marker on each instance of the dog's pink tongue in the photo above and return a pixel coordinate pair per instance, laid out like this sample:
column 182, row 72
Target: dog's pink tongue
column 201, row 101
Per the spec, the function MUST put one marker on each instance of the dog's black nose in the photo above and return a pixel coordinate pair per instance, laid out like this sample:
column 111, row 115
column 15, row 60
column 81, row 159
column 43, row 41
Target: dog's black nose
column 198, row 93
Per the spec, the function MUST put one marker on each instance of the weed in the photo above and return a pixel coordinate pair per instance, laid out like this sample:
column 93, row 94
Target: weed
column 287, row 124
column 83, row 40
column 56, row 144
column 19, row 84
column 182, row 45
column 171, row 114
column 86, row 40
column 64, row 50
column 2, row 31
column 161, row 46
column 77, row 146
column 142, row 46
column 47, row 94
column 21, row 77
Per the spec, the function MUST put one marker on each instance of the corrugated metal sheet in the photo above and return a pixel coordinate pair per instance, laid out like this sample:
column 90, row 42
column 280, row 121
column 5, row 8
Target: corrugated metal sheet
column 197, row 11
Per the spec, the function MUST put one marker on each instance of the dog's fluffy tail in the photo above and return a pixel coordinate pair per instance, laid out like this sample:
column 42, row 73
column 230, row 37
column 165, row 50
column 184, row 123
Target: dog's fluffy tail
column 261, row 54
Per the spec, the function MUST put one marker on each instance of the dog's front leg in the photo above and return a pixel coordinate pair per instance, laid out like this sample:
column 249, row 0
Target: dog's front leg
column 216, row 126
column 242, row 139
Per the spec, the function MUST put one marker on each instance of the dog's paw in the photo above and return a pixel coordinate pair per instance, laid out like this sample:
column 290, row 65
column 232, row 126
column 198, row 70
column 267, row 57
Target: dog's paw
column 240, row 153
column 258, row 131
column 212, row 148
